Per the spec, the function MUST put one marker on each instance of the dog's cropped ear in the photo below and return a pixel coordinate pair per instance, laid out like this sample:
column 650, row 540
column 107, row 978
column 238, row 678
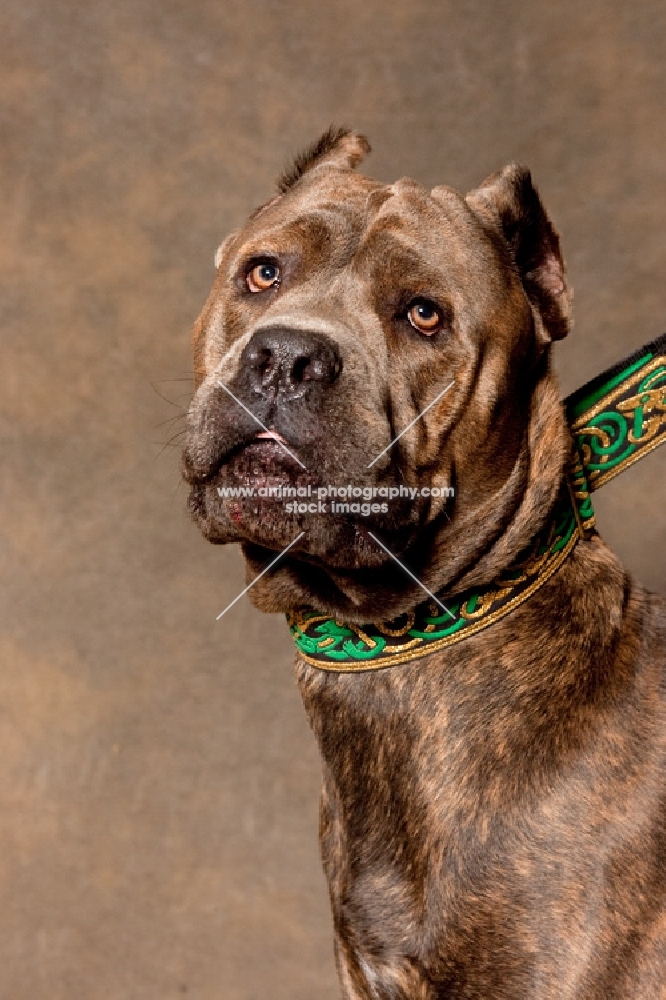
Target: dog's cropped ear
column 337, row 147
column 510, row 204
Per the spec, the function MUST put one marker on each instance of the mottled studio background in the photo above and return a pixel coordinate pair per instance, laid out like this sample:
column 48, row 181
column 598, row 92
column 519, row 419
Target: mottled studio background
column 158, row 783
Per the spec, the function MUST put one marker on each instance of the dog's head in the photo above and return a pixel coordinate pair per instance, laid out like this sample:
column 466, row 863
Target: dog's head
column 377, row 336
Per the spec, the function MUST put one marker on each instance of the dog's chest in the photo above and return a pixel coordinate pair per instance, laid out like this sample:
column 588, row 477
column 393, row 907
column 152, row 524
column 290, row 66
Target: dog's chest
column 407, row 807
column 461, row 814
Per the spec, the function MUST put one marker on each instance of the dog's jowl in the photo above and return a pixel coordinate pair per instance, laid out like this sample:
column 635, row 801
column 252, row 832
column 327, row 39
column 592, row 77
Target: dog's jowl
column 375, row 401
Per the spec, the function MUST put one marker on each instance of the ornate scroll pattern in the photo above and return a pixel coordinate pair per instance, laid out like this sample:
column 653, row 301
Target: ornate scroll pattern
column 625, row 424
column 339, row 646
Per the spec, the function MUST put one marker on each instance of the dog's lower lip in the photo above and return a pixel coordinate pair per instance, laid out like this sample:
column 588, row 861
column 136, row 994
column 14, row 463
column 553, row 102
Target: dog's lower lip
column 195, row 478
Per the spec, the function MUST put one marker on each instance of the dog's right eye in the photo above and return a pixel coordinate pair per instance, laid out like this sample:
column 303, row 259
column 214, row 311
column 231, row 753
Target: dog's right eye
column 425, row 316
column 262, row 277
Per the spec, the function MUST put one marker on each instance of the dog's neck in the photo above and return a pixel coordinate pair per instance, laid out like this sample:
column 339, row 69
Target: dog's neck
column 614, row 420
column 335, row 645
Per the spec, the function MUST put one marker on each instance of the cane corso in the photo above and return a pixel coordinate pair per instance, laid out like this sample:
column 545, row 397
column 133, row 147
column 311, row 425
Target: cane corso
column 493, row 811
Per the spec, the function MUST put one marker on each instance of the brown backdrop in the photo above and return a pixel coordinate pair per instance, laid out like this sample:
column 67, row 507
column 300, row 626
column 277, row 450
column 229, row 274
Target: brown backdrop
column 158, row 780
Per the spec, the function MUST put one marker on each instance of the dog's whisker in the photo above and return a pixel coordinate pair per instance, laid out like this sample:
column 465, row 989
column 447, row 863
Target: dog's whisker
column 171, row 442
column 170, row 420
column 165, row 398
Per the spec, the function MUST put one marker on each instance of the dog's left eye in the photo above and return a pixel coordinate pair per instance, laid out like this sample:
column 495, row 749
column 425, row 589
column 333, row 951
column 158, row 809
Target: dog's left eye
column 425, row 316
column 262, row 277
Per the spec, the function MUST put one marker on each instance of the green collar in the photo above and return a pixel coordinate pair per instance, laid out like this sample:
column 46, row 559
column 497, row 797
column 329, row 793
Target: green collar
column 615, row 419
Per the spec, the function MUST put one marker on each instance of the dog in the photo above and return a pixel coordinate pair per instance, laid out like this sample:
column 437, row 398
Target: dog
column 493, row 815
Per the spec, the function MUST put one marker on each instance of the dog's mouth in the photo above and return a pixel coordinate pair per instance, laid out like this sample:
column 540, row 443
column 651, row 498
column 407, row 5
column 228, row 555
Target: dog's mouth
column 265, row 471
column 262, row 493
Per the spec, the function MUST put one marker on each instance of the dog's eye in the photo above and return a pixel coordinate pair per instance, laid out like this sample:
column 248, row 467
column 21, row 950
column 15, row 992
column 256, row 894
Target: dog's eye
column 262, row 277
column 424, row 316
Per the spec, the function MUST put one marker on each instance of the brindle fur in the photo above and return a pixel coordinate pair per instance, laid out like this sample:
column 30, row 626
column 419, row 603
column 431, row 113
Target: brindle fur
column 493, row 814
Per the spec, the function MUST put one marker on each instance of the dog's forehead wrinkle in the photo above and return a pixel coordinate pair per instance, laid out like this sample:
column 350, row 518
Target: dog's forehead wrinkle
column 376, row 199
column 412, row 201
column 341, row 214
column 446, row 194
column 455, row 207
column 414, row 212
column 388, row 236
column 331, row 229
column 283, row 232
column 429, row 254
column 408, row 187
column 331, row 215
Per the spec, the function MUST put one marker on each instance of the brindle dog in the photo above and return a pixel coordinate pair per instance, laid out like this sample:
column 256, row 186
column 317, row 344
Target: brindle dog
column 493, row 818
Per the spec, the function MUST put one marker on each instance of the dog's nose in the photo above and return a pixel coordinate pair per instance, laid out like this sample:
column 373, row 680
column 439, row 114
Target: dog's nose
column 287, row 362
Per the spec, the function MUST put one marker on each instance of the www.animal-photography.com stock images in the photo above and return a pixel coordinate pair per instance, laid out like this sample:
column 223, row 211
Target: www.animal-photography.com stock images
column 333, row 648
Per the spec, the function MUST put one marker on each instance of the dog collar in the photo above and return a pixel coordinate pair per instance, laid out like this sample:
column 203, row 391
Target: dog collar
column 614, row 420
